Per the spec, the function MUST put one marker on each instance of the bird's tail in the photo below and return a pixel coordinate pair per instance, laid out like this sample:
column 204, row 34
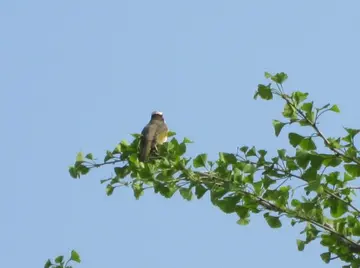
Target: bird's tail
column 145, row 148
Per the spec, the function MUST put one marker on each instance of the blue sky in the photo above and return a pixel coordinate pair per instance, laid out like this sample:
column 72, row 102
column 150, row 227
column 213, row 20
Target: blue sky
column 83, row 75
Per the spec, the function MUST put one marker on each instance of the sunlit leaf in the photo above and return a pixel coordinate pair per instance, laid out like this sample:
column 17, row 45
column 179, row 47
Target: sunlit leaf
column 335, row 109
column 75, row 256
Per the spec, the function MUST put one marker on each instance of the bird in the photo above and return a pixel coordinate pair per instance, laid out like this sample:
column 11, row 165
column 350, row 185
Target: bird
column 154, row 133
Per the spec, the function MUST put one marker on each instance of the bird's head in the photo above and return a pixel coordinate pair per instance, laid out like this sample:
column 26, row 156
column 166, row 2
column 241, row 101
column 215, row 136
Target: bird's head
column 157, row 115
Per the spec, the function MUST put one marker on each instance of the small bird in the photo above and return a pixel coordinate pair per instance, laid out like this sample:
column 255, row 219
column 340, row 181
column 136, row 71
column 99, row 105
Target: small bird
column 154, row 133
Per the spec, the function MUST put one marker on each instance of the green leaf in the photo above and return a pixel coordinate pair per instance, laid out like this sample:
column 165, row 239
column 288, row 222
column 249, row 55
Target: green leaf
column 117, row 149
column 181, row 149
column 282, row 154
column 242, row 212
column 348, row 177
column 122, row 172
column 300, row 244
column 334, row 143
column 308, row 144
column 59, row 259
column 108, row 156
column 165, row 190
column 80, row 157
column 335, row 108
column 316, row 160
column 249, row 168
column 216, row 193
column 48, row 264
column 326, row 257
column 356, row 229
column 332, row 162
column 352, row 169
column 200, row 160
column 338, row 208
column 200, row 191
column 267, row 75
column 251, row 152
column 304, row 122
column 351, row 152
column 328, row 240
column 265, row 92
column 302, row 158
column 267, row 181
column 278, row 127
column 274, row 222
column 138, row 190
column 311, row 233
column 109, row 190
column 244, row 149
column 352, row 133
column 83, row 169
column 258, row 187
column 227, row 158
column 307, row 107
column 279, row 78
column 310, row 174
column 262, row 152
column 295, row 139
column 228, row 204
column 186, row 140
column 75, row 256
column 299, row 96
column 295, row 203
column 289, row 111
column 243, row 221
column 136, row 135
column 134, row 159
column 89, row 156
column 125, row 143
column 186, row 193
column 333, row 177
column 73, row 172
column 171, row 134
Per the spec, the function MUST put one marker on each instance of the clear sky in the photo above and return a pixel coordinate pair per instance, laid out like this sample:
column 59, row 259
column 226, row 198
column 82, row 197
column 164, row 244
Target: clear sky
column 83, row 75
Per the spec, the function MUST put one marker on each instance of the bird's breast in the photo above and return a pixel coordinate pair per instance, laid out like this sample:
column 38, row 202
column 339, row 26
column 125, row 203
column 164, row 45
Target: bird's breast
column 162, row 137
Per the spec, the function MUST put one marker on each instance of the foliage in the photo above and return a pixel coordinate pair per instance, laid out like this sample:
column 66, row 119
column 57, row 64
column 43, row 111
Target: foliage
column 309, row 184
column 59, row 261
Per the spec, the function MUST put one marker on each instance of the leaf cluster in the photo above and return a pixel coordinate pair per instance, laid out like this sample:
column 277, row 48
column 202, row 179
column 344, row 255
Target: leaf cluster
column 309, row 184
column 60, row 262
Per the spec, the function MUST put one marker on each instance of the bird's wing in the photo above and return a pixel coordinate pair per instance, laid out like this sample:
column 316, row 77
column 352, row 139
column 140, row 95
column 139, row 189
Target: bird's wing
column 148, row 137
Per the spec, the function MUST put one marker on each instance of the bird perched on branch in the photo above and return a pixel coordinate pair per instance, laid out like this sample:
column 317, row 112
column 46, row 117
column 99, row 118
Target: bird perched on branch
column 154, row 133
